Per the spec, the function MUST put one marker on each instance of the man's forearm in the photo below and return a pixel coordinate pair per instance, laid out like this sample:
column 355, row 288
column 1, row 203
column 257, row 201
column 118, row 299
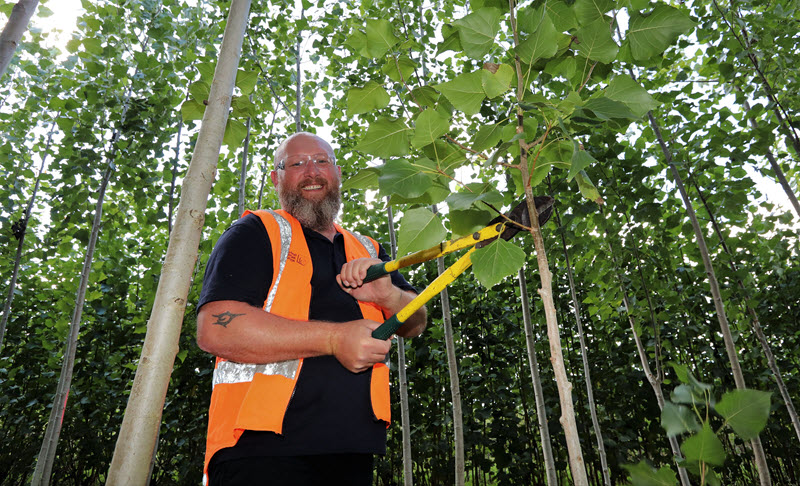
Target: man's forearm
column 416, row 323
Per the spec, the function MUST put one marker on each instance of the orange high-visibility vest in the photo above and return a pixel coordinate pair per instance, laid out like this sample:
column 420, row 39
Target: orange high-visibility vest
column 256, row 396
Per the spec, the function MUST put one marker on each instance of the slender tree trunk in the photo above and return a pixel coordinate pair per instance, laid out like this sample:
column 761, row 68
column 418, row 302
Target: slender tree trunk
column 567, row 419
column 730, row 347
column 452, row 367
column 266, row 170
column 23, row 230
column 541, row 410
column 174, row 175
column 12, row 33
column 655, row 381
column 405, row 417
column 601, row 449
column 757, row 329
column 47, row 454
column 243, row 171
column 299, row 93
column 776, row 168
column 140, row 425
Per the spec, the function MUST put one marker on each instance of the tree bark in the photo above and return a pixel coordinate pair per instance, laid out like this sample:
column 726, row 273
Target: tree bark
column 47, row 453
column 757, row 329
column 730, row 347
column 12, row 33
column 12, row 284
column 601, row 449
column 243, row 169
column 541, row 410
column 655, row 381
column 140, row 425
column 405, row 418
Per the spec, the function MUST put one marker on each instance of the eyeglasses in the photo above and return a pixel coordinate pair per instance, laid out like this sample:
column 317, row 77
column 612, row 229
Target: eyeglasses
column 297, row 162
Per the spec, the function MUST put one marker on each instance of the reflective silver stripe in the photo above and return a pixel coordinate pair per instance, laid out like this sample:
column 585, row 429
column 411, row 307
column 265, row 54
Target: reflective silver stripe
column 285, row 228
column 231, row 372
column 367, row 244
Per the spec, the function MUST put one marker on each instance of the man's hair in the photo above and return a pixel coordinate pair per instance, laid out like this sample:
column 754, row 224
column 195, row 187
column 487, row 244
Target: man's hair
column 282, row 147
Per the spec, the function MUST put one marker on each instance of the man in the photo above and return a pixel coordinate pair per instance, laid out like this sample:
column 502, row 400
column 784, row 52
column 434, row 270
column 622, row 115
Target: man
column 300, row 392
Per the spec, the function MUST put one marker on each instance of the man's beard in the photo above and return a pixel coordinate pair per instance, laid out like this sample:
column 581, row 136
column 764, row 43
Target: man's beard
column 315, row 215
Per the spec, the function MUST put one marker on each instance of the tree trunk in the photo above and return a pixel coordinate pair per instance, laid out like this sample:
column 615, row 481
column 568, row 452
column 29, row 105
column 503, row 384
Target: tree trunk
column 541, row 410
column 601, row 449
column 140, row 425
column 567, row 419
column 405, row 418
column 730, row 347
column 299, row 93
column 243, row 170
column 655, row 381
column 757, row 329
column 12, row 284
column 47, row 454
column 776, row 168
column 12, row 33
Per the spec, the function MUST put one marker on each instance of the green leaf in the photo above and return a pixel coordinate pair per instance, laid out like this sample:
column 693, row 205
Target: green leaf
column 467, row 221
column 192, row 110
column 478, row 30
column 451, row 41
column 496, row 261
column 206, row 70
column 235, row 132
column 93, row 45
column 445, row 156
column 562, row 15
column 624, row 89
column 364, row 179
column 385, row 138
column 580, row 160
column 587, row 188
column 199, row 91
column 541, row 44
column 425, row 96
column 406, row 69
column 681, row 370
column 495, row 84
column 419, row 229
column 596, row 43
column 357, row 41
column 649, row 35
column 246, row 81
column 474, row 193
column 704, row 447
column 362, row 100
column 587, row 11
column 429, row 126
column 487, row 137
column 243, row 108
column 465, row 92
column 642, row 474
column 380, row 37
column 746, row 411
column 608, row 109
column 677, row 419
column 404, row 179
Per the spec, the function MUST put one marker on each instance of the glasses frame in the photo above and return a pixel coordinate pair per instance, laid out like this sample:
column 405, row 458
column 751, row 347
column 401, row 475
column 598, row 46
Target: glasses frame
column 305, row 159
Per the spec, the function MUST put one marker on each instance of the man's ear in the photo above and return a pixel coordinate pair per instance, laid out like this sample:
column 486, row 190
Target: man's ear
column 274, row 177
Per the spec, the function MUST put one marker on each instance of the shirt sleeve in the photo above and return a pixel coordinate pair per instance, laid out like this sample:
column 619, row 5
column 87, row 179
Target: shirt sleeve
column 397, row 278
column 240, row 265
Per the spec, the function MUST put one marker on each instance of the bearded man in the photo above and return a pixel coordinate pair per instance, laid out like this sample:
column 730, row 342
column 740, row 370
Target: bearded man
column 301, row 389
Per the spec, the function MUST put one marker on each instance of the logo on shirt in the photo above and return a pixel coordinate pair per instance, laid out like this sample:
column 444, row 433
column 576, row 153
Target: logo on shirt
column 294, row 257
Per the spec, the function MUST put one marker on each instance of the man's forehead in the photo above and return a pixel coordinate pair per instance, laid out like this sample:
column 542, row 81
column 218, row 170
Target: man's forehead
column 307, row 144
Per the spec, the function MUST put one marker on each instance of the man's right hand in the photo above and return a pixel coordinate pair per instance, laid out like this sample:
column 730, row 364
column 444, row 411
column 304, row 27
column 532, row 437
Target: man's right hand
column 354, row 347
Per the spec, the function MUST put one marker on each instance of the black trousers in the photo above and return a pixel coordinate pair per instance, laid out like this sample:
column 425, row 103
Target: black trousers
column 329, row 469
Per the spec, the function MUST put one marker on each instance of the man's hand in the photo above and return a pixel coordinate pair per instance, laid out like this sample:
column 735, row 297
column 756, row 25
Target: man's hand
column 380, row 291
column 354, row 347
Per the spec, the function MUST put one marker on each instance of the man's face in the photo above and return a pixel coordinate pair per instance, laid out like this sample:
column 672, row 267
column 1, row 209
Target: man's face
column 309, row 191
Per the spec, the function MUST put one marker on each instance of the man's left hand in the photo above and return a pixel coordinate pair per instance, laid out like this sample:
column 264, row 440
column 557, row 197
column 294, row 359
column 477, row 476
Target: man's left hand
column 380, row 291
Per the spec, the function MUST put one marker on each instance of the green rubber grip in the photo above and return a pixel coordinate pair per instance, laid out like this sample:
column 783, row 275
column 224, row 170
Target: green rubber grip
column 375, row 272
column 389, row 327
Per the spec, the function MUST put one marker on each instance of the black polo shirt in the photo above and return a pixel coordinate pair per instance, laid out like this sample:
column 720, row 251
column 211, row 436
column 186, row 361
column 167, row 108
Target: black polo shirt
column 330, row 411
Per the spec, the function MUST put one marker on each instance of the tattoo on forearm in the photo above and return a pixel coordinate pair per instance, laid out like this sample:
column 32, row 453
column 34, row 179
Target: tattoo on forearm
column 225, row 318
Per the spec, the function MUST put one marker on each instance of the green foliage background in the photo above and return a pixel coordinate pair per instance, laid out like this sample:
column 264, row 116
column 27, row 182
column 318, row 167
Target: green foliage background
column 420, row 119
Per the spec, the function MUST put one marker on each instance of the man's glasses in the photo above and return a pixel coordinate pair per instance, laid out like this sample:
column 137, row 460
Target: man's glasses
column 297, row 162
